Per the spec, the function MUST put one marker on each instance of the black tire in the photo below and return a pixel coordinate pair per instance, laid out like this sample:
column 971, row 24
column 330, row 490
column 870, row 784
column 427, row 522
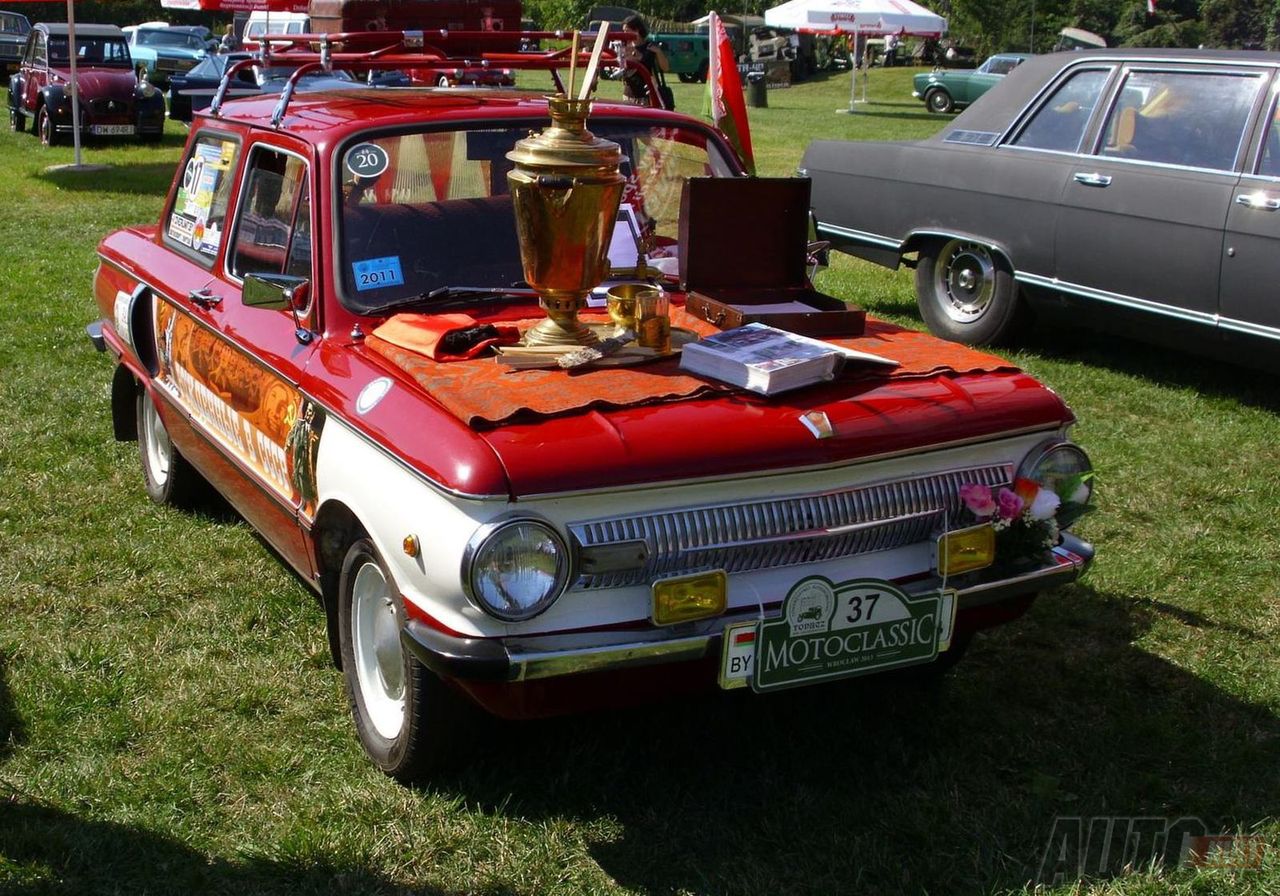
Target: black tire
column 968, row 294
column 443, row 81
column 686, row 77
column 939, row 101
column 409, row 722
column 17, row 121
column 168, row 477
column 44, row 127
column 703, row 68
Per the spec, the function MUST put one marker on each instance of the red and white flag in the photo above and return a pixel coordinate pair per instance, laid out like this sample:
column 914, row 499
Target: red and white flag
column 1151, row 7
column 724, row 103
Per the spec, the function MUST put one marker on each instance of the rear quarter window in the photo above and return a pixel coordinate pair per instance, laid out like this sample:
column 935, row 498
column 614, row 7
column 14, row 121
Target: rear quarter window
column 197, row 221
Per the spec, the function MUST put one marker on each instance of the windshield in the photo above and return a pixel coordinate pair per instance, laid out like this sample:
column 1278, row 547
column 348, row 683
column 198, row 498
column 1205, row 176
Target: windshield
column 90, row 51
column 426, row 211
column 12, row 23
column 165, row 38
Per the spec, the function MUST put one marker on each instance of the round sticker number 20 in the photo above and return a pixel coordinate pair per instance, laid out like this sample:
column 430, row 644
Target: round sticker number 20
column 367, row 160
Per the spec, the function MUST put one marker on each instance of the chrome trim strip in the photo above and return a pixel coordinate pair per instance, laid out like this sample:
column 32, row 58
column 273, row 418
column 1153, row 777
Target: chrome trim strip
column 1248, row 329
column 549, row 656
column 860, row 235
column 777, row 532
column 1111, row 298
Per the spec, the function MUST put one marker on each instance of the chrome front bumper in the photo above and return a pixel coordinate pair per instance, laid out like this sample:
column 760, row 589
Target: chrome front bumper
column 548, row 656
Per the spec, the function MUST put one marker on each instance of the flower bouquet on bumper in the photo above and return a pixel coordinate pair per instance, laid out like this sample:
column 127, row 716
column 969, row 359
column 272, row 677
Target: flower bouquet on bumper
column 1027, row 518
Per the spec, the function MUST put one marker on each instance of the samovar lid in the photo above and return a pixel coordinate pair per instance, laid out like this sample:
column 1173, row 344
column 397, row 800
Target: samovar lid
column 566, row 143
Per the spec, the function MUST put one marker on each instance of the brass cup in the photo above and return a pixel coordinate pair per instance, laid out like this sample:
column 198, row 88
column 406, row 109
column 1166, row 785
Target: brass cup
column 621, row 301
column 653, row 320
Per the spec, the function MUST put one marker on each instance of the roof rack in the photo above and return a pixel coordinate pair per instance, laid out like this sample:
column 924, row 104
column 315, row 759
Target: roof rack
column 366, row 51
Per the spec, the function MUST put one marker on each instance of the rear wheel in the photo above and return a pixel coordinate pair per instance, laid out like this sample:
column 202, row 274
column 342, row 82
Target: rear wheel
column 686, row 77
column 44, row 127
column 938, row 100
column 966, row 294
column 409, row 722
column 167, row 475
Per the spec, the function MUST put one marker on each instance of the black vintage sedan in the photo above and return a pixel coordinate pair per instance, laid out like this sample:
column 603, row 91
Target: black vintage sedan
column 1137, row 189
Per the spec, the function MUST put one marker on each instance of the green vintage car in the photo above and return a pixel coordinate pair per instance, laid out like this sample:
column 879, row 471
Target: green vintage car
column 945, row 90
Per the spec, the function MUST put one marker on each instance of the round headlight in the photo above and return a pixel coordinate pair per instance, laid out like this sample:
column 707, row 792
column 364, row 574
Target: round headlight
column 1060, row 466
column 514, row 569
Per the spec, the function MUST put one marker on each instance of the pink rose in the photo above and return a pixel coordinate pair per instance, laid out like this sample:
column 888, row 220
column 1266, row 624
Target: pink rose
column 1010, row 505
column 978, row 499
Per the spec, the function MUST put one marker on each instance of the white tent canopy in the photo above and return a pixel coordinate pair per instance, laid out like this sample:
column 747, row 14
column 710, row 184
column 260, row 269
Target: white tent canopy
column 857, row 16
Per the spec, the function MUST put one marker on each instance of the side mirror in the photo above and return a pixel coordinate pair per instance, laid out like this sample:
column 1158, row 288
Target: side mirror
column 280, row 292
column 276, row 292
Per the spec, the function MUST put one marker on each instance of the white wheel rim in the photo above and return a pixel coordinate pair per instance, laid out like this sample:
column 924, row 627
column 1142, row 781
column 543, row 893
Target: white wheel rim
column 159, row 448
column 376, row 645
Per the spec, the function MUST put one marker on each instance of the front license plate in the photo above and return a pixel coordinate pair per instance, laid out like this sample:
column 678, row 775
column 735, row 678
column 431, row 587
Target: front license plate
column 112, row 130
column 829, row 630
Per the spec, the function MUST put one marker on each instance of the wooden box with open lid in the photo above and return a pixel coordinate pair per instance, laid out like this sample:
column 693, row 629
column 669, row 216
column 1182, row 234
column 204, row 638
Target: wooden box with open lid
column 743, row 251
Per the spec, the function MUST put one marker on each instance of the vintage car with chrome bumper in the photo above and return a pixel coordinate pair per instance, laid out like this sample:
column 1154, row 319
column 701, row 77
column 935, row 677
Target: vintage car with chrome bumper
column 529, row 540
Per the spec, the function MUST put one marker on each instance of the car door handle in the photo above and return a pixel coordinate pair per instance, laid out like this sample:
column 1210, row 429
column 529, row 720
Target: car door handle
column 1094, row 179
column 204, row 297
column 1259, row 201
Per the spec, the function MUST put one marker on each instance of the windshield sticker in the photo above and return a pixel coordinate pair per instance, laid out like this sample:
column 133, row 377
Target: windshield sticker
column 367, row 160
column 375, row 273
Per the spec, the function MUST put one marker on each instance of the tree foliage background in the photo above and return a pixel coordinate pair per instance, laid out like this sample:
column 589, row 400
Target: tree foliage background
column 986, row 25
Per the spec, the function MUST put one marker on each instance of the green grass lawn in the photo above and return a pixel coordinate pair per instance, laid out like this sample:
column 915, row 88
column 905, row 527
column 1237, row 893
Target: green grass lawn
column 170, row 721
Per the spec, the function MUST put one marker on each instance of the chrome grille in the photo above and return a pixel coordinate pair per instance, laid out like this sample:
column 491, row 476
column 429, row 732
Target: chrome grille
column 772, row 533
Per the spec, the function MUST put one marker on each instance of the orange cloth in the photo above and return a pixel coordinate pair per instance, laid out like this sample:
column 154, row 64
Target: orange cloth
column 421, row 333
column 485, row 393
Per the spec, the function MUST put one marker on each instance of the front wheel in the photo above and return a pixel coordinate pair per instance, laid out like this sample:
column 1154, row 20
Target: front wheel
column 44, row 127
column 939, row 101
column 443, row 81
column 168, row 477
column 966, row 294
column 408, row 720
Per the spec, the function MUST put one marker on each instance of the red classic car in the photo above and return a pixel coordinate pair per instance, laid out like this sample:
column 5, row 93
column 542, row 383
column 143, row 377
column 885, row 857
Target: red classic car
column 114, row 102
column 534, row 540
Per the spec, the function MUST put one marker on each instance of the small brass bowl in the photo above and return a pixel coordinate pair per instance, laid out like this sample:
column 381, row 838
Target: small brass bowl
column 621, row 301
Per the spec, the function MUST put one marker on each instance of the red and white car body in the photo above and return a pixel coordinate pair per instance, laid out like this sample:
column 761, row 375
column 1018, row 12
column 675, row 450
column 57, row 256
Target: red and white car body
column 415, row 525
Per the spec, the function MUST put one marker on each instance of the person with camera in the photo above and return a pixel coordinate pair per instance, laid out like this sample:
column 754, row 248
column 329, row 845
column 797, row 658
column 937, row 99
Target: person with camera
column 635, row 87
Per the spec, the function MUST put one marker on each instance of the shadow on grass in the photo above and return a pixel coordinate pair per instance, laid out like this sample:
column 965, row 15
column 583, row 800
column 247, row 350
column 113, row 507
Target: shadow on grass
column 140, row 178
column 876, row 786
column 49, row 851
column 1169, row 366
column 12, row 730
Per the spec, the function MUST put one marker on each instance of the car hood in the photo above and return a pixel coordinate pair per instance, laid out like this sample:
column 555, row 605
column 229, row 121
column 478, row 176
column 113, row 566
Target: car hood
column 114, row 83
column 741, row 434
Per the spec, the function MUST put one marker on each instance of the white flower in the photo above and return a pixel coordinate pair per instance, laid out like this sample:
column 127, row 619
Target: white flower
column 1044, row 505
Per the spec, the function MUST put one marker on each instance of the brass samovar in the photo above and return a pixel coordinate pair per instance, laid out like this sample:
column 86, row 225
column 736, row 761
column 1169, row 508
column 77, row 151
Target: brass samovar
column 566, row 189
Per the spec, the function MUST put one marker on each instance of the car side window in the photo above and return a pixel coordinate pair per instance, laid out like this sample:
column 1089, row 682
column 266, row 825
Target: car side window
column 198, row 218
column 1059, row 124
column 273, row 225
column 1195, row 119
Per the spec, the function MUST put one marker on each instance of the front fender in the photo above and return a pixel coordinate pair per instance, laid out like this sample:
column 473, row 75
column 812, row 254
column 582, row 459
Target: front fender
column 51, row 95
column 15, row 91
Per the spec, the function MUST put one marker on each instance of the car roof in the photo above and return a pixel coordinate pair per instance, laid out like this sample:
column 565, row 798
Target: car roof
column 325, row 115
column 1016, row 90
column 60, row 28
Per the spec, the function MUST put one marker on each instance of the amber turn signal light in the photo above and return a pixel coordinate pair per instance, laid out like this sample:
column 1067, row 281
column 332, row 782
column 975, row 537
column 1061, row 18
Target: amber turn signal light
column 965, row 550
column 698, row 596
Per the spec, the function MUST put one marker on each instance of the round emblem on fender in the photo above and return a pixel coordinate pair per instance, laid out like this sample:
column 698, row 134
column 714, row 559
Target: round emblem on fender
column 371, row 394
column 367, row 160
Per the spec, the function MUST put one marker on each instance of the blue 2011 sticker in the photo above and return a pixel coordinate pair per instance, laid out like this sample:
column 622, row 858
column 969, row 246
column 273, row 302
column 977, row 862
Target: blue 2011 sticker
column 375, row 273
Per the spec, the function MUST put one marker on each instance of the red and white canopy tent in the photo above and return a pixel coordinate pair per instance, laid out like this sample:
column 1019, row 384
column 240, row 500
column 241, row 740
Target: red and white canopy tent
column 857, row 17
column 861, row 18
column 237, row 5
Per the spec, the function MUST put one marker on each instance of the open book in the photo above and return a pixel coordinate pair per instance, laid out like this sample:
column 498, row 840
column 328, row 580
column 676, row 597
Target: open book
column 767, row 360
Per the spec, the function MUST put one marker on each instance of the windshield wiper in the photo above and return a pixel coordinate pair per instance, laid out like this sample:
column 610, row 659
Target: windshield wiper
column 449, row 297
